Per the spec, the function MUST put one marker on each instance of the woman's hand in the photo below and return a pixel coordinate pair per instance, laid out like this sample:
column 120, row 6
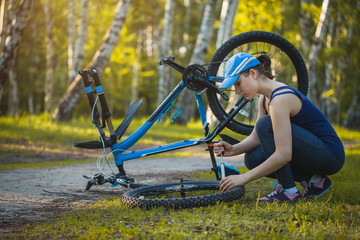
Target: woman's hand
column 231, row 182
column 225, row 148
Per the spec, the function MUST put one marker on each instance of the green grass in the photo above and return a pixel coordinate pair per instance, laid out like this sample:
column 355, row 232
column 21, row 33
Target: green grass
column 29, row 135
column 334, row 216
column 41, row 130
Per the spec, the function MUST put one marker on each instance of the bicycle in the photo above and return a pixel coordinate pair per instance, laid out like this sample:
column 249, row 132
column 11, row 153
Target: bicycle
column 288, row 66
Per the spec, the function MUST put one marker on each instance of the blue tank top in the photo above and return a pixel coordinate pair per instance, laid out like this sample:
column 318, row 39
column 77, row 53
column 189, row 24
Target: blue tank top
column 311, row 119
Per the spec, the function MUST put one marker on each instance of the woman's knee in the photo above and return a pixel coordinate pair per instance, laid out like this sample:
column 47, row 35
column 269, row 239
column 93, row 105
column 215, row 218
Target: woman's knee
column 254, row 158
column 247, row 161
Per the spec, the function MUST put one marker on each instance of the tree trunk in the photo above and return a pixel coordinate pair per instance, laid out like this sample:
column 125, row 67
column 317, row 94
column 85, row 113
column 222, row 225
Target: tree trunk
column 164, row 50
column 71, row 39
column 328, row 76
column 5, row 23
column 13, row 40
column 34, row 76
column 14, row 98
column 350, row 114
column 135, row 68
column 76, row 53
column 49, row 72
column 356, row 120
column 75, row 91
column 187, row 5
column 305, row 24
column 228, row 12
column 186, row 100
column 81, row 40
column 315, row 49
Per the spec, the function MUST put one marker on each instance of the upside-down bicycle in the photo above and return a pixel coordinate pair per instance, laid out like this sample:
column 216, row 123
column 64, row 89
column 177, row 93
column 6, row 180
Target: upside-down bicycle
column 233, row 112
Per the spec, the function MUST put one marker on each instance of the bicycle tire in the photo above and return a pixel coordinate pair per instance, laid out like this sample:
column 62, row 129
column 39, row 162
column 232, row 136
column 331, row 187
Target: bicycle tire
column 289, row 68
column 136, row 197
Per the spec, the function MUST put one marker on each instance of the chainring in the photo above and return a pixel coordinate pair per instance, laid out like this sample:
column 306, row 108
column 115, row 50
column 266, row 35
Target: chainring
column 189, row 77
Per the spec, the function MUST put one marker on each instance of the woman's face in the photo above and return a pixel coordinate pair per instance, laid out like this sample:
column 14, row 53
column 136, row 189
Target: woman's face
column 246, row 86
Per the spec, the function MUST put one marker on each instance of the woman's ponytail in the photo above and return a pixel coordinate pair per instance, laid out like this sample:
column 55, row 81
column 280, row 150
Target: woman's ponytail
column 265, row 65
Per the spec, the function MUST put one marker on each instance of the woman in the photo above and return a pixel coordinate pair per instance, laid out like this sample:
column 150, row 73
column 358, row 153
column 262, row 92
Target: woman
column 291, row 141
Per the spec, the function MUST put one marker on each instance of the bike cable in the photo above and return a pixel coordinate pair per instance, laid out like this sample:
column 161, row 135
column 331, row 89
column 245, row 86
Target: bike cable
column 102, row 159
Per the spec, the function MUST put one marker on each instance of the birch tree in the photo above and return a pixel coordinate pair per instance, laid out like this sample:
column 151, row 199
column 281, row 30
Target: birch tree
column 186, row 99
column 76, row 52
column 75, row 91
column 316, row 48
column 4, row 21
column 164, row 49
column 352, row 114
column 187, row 5
column 136, row 67
column 305, row 23
column 34, row 105
column 13, row 98
column 228, row 12
column 71, row 39
column 227, row 16
column 49, row 72
column 12, row 40
column 352, row 117
column 328, row 91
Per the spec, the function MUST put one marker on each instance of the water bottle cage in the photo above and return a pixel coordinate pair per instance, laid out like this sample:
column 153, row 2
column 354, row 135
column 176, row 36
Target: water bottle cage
column 174, row 115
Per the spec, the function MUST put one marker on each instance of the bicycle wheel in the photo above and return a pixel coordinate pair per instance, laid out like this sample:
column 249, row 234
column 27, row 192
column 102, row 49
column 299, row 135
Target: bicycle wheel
column 287, row 64
column 188, row 194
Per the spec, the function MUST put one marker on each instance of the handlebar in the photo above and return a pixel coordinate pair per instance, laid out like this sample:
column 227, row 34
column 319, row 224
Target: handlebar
column 105, row 114
column 194, row 74
column 90, row 95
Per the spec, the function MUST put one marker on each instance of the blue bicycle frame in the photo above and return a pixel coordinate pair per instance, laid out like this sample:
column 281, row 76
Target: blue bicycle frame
column 120, row 150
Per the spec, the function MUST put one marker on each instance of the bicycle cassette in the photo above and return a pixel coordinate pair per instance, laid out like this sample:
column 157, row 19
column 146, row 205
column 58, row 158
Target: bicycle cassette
column 190, row 76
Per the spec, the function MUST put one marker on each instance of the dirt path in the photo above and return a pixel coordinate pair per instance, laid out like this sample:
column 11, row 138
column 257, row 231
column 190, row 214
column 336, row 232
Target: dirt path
column 34, row 195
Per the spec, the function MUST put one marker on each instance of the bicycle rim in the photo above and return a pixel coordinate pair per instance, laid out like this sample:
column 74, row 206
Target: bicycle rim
column 189, row 194
column 287, row 65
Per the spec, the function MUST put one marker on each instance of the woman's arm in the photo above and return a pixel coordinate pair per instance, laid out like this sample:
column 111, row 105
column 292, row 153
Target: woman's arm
column 246, row 145
column 280, row 116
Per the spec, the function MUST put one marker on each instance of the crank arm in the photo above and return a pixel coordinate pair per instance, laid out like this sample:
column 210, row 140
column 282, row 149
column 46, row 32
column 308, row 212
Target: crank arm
column 170, row 61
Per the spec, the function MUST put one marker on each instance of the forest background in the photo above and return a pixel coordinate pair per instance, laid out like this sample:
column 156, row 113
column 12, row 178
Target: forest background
column 44, row 43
